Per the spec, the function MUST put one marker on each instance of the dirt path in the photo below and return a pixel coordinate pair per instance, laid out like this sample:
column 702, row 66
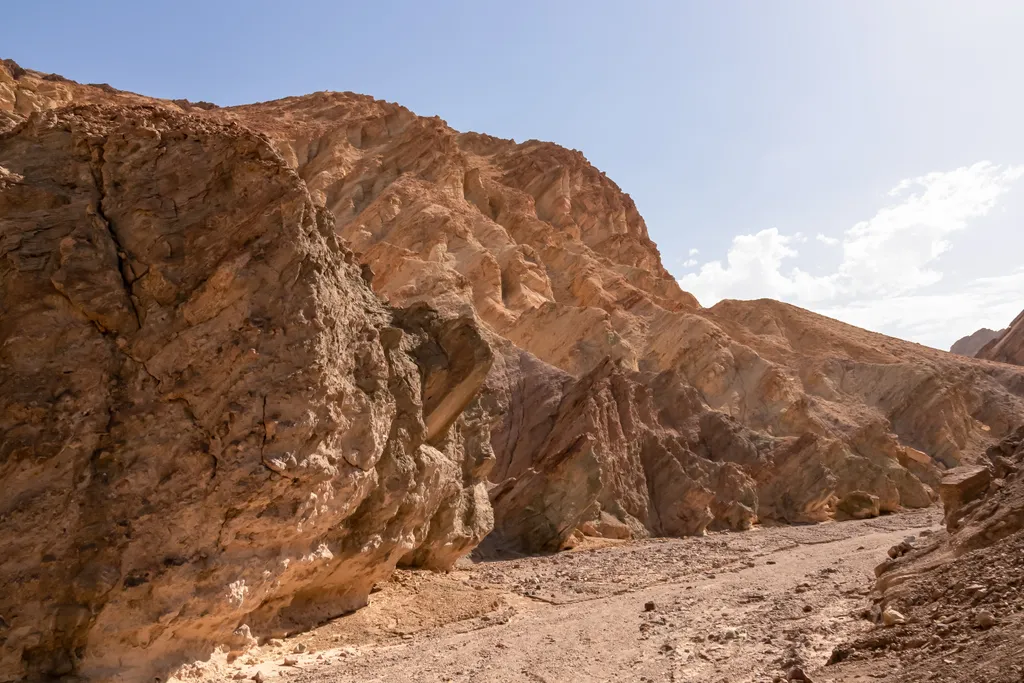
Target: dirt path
column 727, row 607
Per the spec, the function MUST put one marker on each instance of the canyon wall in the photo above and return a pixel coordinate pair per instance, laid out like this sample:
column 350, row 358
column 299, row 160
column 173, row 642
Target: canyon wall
column 254, row 357
column 556, row 262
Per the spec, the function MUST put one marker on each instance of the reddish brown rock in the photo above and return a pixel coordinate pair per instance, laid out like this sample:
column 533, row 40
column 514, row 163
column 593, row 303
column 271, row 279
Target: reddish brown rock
column 186, row 293
column 859, row 505
column 950, row 588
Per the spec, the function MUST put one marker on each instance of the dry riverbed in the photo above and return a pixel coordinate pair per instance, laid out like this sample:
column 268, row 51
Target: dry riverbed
column 728, row 607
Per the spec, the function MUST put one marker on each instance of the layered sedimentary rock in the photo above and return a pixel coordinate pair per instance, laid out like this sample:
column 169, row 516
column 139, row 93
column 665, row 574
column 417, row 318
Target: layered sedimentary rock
column 207, row 418
column 1008, row 347
column 972, row 343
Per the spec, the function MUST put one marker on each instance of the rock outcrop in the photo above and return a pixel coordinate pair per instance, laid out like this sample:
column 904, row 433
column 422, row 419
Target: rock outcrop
column 972, row 343
column 1008, row 347
column 208, row 419
column 959, row 592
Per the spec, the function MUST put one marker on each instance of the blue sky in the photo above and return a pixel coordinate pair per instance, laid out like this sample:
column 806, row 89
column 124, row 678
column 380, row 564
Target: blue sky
column 743, row 130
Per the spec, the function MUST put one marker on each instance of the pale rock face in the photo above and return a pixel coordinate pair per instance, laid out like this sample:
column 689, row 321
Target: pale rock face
column 208, row 419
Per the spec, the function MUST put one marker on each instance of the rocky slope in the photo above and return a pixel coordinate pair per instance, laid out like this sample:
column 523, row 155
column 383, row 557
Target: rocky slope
column 951, row 607
column 972, row 343
column 188, row 336
column 1009, row 346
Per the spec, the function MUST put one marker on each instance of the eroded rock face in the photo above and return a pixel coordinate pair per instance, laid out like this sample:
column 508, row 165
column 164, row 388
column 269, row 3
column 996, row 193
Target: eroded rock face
column 180, row 301
column 551, row 256
column 208, row 419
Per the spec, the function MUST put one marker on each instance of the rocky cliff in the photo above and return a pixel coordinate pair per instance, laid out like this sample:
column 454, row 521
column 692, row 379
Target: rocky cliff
column 1008, row 347
column 236, row 431
column 972, row 343
column 211, row 427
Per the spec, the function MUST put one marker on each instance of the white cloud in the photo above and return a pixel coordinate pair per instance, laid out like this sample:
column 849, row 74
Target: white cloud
column 886, row 261
column 939, row 319
column 753, row 269
column 689, row 263
column 694, row 252
column 892, row 252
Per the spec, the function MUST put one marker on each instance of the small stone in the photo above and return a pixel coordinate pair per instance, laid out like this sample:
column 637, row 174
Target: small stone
column 807, row 608
column 797, row 674
column 891, row 617
column 274, row 642
column 258, row 677
column 289, row 661
column 649, row 606
column 301, row 647
column 730, row 634
column 984, row 619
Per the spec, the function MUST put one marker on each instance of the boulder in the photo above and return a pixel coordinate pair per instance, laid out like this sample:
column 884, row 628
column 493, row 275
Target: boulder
column 859, row 505
column 211, row 428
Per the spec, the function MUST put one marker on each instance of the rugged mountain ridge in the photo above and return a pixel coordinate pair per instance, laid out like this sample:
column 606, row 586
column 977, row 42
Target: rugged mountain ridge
column 1008, row 347
column 973, row 343
column 610, row 402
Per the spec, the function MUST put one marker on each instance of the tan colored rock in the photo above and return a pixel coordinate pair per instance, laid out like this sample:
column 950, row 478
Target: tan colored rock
column 859, row 505
column 551, row 256
column 891, row 617
column 613, row 395
column 211, row 428
column 967, row 579
column 961, row 486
